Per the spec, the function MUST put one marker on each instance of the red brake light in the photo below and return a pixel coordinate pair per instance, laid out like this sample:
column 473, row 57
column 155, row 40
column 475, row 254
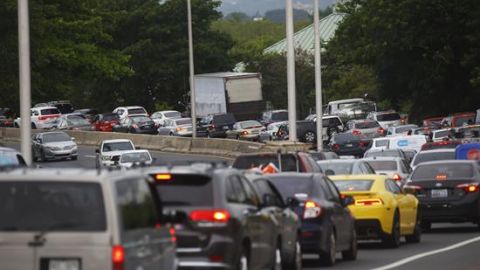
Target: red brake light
column 380, row 130
column 471, row 187
column 441, row 177
column 173, row 234
column 356, row 132
column 397, row 177
column 368, row 202
column 335, row 147
column 118, row 257
column 218, row 216
column 311, row 210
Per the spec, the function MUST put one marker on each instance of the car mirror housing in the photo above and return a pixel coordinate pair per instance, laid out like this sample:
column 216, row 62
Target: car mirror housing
column 97, row 151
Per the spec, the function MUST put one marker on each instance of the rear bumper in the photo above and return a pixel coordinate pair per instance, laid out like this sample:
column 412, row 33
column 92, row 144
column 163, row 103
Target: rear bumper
column 368, row 229
column 376, row 218
column 460, row 211
column 313, row 237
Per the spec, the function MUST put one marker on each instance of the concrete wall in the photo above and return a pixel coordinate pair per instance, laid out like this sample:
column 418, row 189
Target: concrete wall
column 217, row 147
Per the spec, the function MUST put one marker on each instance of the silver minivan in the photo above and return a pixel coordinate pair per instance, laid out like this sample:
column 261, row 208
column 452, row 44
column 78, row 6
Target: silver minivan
column 81, row 220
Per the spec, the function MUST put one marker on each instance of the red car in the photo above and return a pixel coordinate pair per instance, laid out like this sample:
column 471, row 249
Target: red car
column 105, row 122
column 452, row 144
column 459, row 119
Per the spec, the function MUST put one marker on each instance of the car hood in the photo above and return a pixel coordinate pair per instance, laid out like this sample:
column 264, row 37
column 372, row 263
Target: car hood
column 114, row 153
column 60, row 144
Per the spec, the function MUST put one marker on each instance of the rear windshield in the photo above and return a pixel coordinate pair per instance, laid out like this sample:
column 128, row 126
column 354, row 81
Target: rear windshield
column 432, row 156
column 250, row 124
column 141, row 119
column 345, row 137
column 117, row 146
column 56, row 137
column 224, row 119
column 353, row 185
column 388, row 117
column 440, row 134
column 289, row 162
column 49, row 111
column 51, row 206
column 443, row 171
column 64, row 108
column 403, row 129
column 367, row 124
column 337, row 167
column 331, row 122
column 186, row 190
column 184, row 122
column 172, row 115
column 137, row 111
column 383, row 165
column 110, row 117
column 289, row 186
column 381, row 143
column 280, row 116
column 383, row 154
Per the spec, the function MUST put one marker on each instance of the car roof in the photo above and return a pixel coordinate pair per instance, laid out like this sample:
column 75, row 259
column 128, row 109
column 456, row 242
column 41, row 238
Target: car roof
column 66, row 175
column 382, row 158
column 441, row 150
column 116, row 140
column 345, row 100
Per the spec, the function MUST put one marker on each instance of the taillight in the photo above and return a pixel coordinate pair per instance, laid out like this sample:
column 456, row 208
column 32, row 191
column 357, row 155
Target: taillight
column 42, row 118
column 363, row 144
column 173, row 235
column 369, row 202
column 118, row 257
column 397, row 177
column 134, row 126
column 212, row 127
column 380, row 131
column 413, row 188
column 244, row 132
column 335, row 147
column 214, row 217
column 356, row 132
column 312, row 210
column 471, row 187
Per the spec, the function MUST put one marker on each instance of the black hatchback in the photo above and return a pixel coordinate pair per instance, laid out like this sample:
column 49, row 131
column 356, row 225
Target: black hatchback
column 349, row 144
column 328, row 226
column 216, row 126
column 136, row 124
column 227, row 227
column 448, row 191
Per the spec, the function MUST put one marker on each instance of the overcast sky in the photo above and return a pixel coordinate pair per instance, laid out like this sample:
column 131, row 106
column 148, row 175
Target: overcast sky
column 252, row 6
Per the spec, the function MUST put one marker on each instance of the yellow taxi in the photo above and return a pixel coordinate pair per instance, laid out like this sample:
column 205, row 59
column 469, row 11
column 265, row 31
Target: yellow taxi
column 381, row 209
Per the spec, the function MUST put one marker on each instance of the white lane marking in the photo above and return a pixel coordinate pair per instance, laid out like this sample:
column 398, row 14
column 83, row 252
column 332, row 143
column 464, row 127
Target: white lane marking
column 426, row 254
column 90, row 156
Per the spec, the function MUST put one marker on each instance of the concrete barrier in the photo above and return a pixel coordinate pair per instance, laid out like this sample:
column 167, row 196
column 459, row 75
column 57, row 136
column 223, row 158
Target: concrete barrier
column 205, row 146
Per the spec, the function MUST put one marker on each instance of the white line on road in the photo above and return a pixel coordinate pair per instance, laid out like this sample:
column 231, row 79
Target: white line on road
column 90, row 156
column 426, row 254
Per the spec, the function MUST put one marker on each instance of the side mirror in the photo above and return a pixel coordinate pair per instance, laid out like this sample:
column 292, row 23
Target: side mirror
column 347, row 200
column 97, row 151
column 173, row 216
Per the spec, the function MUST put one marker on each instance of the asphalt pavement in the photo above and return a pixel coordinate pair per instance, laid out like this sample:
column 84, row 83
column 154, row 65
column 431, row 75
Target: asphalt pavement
column 445, row 247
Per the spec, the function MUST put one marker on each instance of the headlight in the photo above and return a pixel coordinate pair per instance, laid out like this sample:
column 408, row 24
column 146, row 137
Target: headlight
column 106, row 157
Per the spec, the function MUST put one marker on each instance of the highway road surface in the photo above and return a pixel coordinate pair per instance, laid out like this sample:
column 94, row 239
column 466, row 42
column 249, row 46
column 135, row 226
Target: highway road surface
column 445, row 247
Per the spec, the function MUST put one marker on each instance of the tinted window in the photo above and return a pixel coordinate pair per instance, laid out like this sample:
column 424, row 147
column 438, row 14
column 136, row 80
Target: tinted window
column 136, row 205
column 184, row 122
column 186, row 190
column 250, row 124
column 392, row 187
column 224, row 119
column 135, row 157
column 442, row 133
column 337, row 167
column 345, row 137
column 117, row 146
column 443, row 171
column 383, row 165
column 235, row 190
column 460, row 121
column 51, row 206
column 289, row 162
column 381, row 143
column 110, row 117
column 369, row 124
column 250, row 192
column 137, row 111
column 263, row 187
column 354, row 185
column 333, row 191
column 331, row 122
column 55, row 137
column 289, row 186
column 432, row 156
column 280, row 116
column 388, row 117
column 49, row 111
column 403, row 129
column 172, row 115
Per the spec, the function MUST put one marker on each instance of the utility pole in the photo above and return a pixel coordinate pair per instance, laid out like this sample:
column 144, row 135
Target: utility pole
column 292, row 101
column 24, row 80
column 193, row 105
column 318, row 76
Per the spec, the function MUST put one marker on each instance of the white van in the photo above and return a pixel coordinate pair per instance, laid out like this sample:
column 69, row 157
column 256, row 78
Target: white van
column 413, row 142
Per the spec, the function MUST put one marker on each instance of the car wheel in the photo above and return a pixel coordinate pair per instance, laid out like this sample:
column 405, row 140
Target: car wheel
column 416, row 237
column 278, row 258
column 170, row 134
column 295, row 261
column 329, row 256
column 243, row 260
column 392, row 240
column 309, row 137
column 16, row 125
column 42, row 157
column 351, row 253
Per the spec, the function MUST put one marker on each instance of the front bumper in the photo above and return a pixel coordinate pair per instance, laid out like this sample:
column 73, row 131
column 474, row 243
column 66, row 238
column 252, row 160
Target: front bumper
column 458, row 211
column 60, row 154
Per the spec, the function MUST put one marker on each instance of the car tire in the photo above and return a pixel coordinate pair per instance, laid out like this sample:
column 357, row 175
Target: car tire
column 294, row 262
column 243, row 259
column 75, row 158
column 310, row 137
column 42, row 157
column 329, row 257
column 392, row 240
column 277, row 263
column 16, row 125
column 416, row 237
column 351, row 253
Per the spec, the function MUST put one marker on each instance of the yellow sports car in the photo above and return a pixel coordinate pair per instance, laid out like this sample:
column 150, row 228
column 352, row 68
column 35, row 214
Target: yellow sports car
column 381, row 209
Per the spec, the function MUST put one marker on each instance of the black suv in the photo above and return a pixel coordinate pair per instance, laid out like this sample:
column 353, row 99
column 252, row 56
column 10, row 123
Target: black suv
column 328, row 226
column 215, row 126
column 227, row 227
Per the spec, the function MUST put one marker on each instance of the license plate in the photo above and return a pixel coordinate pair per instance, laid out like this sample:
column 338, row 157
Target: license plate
column 348, row 145
column 64, row 265
column 439, row 193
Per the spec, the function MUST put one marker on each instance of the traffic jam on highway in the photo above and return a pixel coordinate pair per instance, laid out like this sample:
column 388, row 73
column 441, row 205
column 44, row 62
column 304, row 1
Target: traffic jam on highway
column 379, row 179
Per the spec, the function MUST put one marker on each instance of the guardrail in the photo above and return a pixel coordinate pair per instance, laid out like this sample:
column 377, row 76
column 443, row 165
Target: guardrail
column 205, row 146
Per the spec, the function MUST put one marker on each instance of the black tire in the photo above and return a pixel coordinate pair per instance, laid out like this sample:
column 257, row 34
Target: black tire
column 310, row 137
column 329, row 257
column 243, row 260
column 392, row 240
column 351, row 253
column 16, row 125
column 416, row 237
column 294, row 262
column 42, row 158
column 426, row 226
column 74, row 157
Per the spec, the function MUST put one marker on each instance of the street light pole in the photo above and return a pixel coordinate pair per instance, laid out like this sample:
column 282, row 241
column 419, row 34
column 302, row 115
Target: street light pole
column 292, row 106
column 318, row 77
column 24, row 79
column 193, row 107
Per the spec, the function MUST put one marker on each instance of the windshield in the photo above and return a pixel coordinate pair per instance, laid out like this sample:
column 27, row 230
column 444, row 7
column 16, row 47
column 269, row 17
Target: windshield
column 345, row 137
column 336, row 167
column 442, row 133
column 353, row 185
column 51, row 206
column 250, row 124
column 364, row 125
column 49, row 111
column 186, row 190
column 137, row 111
column 443, row 171
column 135, row 157
column 117, row 146
column 110, row 117
column 342, row 106
column 77, row 121
column 280, row 116
column 56, row 137
column 289, row 186
column 172, row 115
column 388, row 117
column 432, row 156
column 184, row 122
column 141, row 119
column 383, row 165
